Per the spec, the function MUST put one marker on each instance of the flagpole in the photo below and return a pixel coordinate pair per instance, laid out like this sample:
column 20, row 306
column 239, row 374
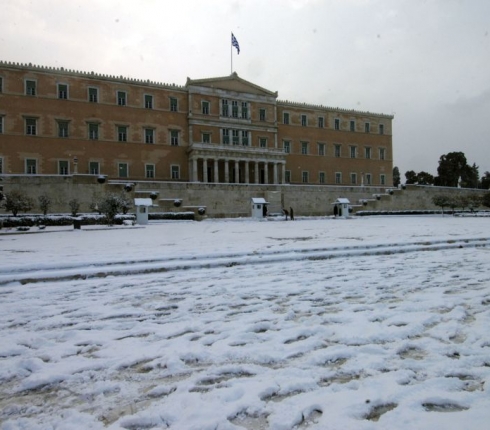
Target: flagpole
column 231, row 55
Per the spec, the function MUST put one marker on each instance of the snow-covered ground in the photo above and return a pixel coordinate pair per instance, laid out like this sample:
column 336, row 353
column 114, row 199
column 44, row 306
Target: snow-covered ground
column 368, row 323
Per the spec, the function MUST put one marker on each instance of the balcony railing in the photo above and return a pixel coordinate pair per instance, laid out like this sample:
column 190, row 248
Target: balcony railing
column 236, row 148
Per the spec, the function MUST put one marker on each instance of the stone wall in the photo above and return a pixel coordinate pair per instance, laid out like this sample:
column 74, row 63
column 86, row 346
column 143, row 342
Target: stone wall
column 225, row 200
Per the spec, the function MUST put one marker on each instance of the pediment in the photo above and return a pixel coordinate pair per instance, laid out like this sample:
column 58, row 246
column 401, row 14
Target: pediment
column 231, row 83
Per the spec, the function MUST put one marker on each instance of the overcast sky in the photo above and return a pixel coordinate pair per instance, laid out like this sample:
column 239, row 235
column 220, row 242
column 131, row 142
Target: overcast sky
column 425, row 62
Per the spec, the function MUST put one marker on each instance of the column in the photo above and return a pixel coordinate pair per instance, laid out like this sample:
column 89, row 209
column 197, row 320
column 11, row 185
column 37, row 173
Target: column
column 256, row 172
column 275, row 173
column 194, row 169
column 216, row 172
column 283, row 179
column 227, row 172
column 247, row 172
column 266, row 173
column 205, row 170
column 237, row 171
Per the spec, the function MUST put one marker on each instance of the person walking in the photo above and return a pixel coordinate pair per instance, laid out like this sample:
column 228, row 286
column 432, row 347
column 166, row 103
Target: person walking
column 291, row 214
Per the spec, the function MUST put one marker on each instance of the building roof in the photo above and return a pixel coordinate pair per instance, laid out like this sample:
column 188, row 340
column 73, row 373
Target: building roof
column 259, row 200
column 231, row 82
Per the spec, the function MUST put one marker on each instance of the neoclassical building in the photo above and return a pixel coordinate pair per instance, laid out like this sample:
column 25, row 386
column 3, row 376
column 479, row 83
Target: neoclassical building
column 219, row 130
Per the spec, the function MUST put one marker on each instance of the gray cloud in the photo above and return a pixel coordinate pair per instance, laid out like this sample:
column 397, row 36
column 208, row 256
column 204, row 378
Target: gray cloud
column 427, row 62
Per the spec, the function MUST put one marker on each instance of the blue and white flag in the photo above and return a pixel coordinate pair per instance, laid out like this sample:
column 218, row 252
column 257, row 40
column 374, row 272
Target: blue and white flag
column 234, row 43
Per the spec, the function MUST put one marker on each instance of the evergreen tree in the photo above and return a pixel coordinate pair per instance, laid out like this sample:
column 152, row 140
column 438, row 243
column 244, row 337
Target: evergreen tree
column 411, row 177
column 451, row 168
column 396, row 176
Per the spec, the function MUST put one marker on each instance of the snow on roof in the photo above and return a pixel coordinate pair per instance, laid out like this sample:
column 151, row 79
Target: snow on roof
column 259, row 200
column 342, row 200
column 143, row 202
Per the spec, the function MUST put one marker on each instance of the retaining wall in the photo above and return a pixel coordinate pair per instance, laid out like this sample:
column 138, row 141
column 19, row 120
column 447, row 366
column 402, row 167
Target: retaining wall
column 225, row 200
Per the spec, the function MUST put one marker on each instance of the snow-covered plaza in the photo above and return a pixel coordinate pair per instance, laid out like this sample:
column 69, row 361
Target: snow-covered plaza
column 365, row 323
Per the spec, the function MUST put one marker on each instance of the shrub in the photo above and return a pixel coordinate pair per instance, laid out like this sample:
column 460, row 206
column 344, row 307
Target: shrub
column 442, row 200
column 74, row 205
column 17, row 201
column 60, row 220
column 485, row 201
column 44, row 203
column 112, row 204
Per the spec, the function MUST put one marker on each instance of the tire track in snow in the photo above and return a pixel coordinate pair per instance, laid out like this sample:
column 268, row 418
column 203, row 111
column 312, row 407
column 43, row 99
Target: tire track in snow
column 45, row 273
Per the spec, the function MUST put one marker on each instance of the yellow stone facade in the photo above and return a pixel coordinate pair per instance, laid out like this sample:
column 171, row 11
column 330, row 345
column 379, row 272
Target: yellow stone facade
column 218, row 130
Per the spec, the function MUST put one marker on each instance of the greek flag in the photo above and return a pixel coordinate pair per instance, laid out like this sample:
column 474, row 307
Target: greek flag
column 234, row 43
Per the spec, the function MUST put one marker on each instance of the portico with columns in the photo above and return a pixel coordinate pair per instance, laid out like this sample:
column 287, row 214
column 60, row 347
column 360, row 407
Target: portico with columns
column 228, row 164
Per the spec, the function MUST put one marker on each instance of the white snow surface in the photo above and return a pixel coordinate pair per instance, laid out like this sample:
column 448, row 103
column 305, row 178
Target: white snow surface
column 363, row 323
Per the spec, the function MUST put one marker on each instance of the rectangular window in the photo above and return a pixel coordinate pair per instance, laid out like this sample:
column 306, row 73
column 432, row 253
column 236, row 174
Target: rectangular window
column 244, row 110
column 285, row 118
column 336, row 124
column 226, row 136
column 63, row 167
column 263, row 142
column 206, row 138
column 173, row 104
column 62, row 91
column 62, row 128
column 304, row 177
column 244, row 138
column 31, row 126
column 321, row 122
column 122, row 170
column 287, row 176
column 93, row 131
column 337, row 151
column 367, row 127
column 304, row 120
column 149, row 135
column 382, row 153
column 148, row 101
column 31, row 166
column 31, row 88
column 382, row 179
column 205, row 108
column 175, row 172
column 93, row 167
column 149, row 171
column 93, row 95
column 262, row 113
column 1, row 165
column 121, row 98
column 122, row 133
column 352, row 125
column 304, row 148
column 321, row 149
column 369, row 179
column 338, row 177
column 287, row 146
column 1, row 84
column 368, row 152
column 353, row 178
column 353, row 152
column 1, row 124
column 224, row 108
column 234, row 109
column 321, row 177
column 235, row 137
column 174, row 137
column 381, row 129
